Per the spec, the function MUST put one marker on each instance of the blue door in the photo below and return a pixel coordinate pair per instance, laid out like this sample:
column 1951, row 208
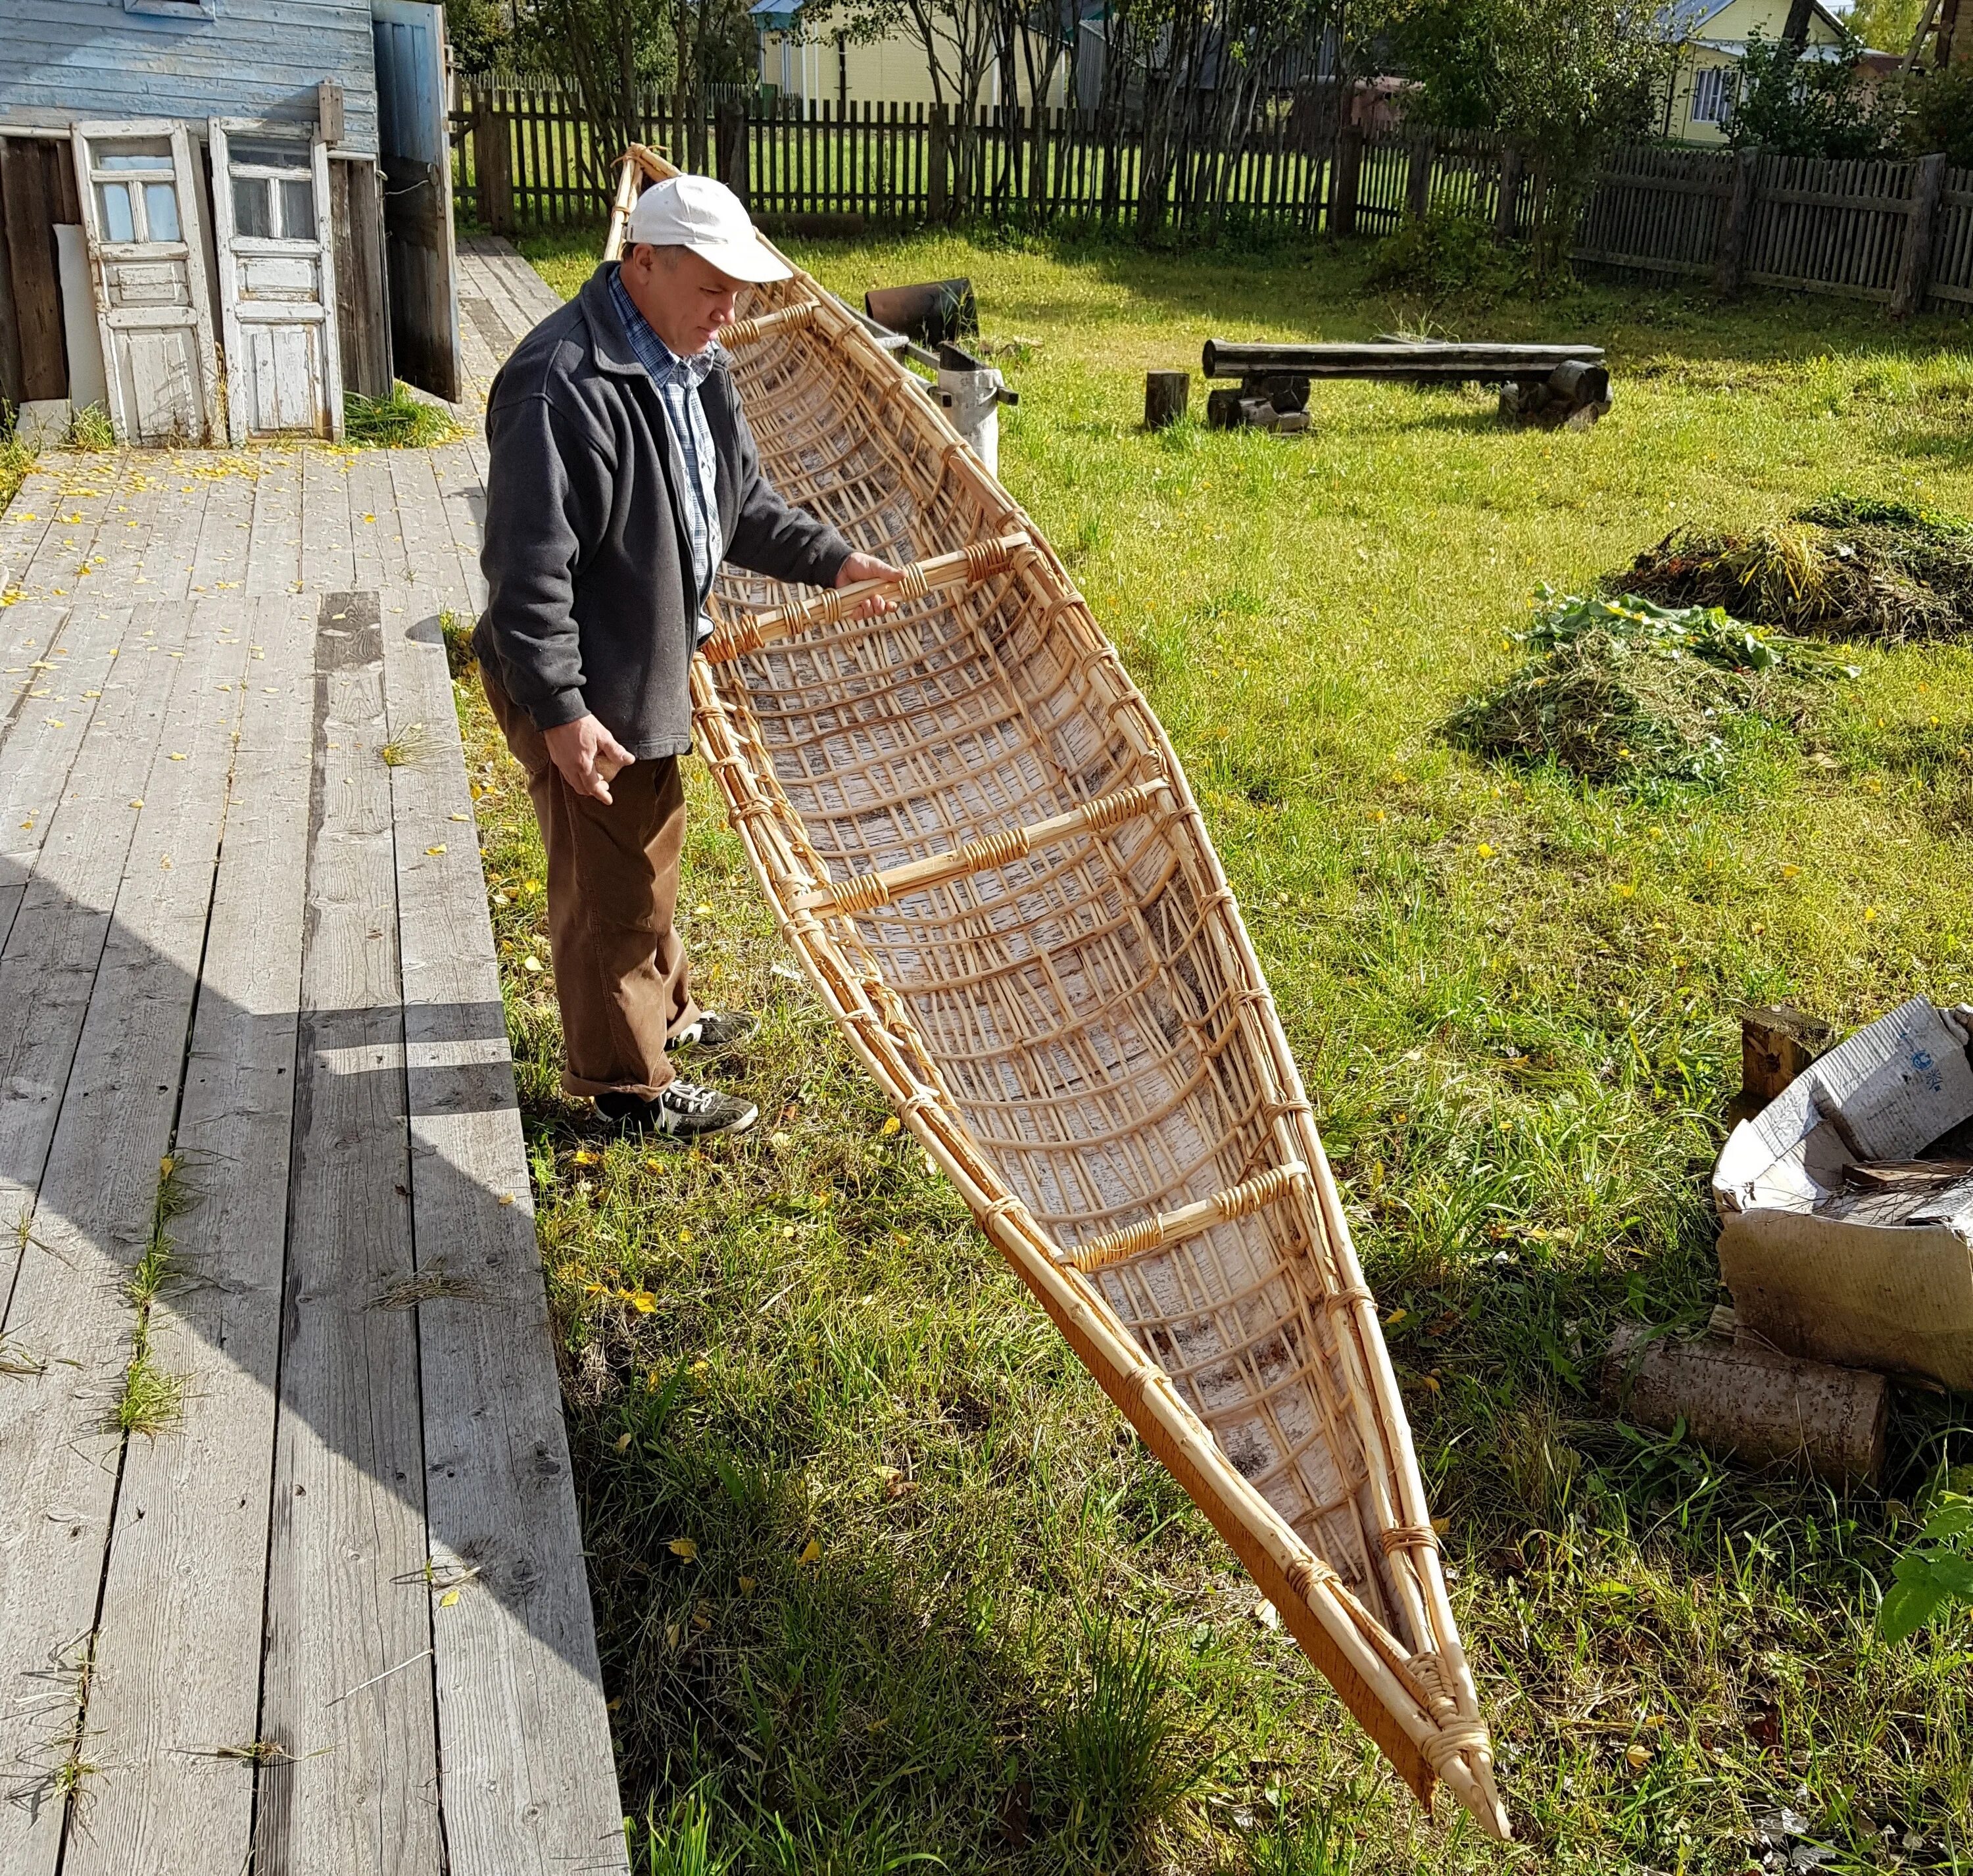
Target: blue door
column 416, row 157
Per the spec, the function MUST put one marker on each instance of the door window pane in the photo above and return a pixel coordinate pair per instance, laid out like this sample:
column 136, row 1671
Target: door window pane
column 298, row 211
column 245, row 153
column 113, row 200
column 161, row 211
column 250, row 215
column 138, row 153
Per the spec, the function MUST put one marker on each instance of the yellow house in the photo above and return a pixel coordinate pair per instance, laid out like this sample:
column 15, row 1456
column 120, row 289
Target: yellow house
column 1712, row 37
column 830, row 66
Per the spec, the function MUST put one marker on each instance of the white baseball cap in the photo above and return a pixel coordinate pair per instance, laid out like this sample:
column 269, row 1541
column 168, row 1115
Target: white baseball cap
column 708, row 217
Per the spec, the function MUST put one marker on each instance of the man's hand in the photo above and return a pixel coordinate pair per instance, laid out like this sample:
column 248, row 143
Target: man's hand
column 587, row 755
column 860, row 566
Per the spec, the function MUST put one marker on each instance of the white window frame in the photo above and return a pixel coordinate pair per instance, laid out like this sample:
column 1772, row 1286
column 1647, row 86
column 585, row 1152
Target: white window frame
column 1721, row 81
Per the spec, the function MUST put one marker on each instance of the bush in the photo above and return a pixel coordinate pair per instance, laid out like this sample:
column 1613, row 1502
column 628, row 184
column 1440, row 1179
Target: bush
column 1938, row 113
column 1446, row 252
column 1797, row 106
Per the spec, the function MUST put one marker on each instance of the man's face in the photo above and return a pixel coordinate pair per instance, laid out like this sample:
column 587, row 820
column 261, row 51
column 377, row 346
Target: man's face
column 686, row 299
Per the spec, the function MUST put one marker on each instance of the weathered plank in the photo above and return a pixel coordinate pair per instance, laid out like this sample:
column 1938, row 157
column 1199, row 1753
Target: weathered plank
column 329, row 555
column 524, row 1739
column 430, row 551
column 219, row 554
column 461, row 486
column 373, row 523
column 347, row 1680
column 274, row 543
column 42, row 734
column 93, row 1178
column 178, row 1653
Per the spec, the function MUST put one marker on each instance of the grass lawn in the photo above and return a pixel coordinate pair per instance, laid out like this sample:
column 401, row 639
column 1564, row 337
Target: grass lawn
column 879, row 1575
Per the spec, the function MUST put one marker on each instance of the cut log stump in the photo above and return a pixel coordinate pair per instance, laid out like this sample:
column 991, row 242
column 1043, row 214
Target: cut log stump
column 1777, row 1043
column 1765, row 1409
column 1167, row 395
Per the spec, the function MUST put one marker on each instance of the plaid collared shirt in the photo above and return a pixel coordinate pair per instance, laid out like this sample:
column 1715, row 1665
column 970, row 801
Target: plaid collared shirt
column 678, row 381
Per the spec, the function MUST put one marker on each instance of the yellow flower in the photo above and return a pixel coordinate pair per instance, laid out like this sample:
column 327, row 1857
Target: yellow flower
column 1484, row 852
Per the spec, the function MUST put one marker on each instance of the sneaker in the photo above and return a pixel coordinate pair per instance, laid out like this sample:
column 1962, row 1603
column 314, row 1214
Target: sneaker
column 684, row 1111
column 714, row 1030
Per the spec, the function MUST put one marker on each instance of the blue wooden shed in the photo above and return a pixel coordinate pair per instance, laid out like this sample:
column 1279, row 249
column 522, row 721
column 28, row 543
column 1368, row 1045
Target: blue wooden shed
column 366, row 80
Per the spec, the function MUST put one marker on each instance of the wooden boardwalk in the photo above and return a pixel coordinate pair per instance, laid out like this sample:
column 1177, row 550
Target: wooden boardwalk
column 325, row 1615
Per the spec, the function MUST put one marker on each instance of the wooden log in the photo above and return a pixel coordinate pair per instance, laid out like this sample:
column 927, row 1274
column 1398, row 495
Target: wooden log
column 1167, row 395
column 1777, row 1043
column 1915, row 262
column 1736, row 225
column 1765, row 1409
column 1432, row 361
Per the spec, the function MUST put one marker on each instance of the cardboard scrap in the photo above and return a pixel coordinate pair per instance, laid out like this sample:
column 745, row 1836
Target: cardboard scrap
column 1828, row 1255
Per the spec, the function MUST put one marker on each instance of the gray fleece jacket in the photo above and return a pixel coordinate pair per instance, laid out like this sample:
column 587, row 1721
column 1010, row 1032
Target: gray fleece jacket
column 587, row 560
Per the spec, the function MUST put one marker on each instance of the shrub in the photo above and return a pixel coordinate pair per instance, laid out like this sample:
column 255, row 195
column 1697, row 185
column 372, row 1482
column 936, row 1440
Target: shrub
column 1938, row 112
column 1801, row 106
column 1446, row 252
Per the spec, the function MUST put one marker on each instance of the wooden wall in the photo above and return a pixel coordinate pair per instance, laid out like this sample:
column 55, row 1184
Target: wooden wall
column 62, row 59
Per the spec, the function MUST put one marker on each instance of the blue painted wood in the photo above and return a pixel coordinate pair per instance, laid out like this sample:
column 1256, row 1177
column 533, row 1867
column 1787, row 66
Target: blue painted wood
column 62, row 59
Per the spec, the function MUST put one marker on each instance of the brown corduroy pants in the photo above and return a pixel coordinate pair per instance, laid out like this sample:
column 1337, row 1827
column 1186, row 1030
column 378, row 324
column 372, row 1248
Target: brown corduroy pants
column 619, row 966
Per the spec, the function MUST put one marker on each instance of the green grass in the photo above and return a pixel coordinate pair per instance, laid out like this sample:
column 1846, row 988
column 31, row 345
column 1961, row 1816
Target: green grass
column 153, row 1398
column 400, row 421
column 856, row 1515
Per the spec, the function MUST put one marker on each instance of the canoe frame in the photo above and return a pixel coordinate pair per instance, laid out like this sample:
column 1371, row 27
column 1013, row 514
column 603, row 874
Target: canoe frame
column 1422, row 1709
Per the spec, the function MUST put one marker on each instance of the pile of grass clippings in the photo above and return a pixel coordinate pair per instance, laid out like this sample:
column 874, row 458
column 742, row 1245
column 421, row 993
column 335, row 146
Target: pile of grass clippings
column 1623, row 688
column 1843, row 568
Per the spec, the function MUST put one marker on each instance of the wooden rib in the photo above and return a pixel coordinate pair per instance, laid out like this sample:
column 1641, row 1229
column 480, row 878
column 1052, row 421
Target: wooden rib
column 1171, row 1227
column 868, row 890
column 966, row 568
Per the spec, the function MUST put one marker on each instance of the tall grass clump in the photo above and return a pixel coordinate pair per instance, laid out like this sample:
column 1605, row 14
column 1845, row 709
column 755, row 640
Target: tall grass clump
column 398, row 421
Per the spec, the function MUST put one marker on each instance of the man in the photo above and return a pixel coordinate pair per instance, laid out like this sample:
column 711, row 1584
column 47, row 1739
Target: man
column 621, row 472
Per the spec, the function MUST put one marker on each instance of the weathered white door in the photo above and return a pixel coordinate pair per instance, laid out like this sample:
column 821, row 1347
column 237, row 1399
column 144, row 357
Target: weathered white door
column 276, row 281
column 140, row 214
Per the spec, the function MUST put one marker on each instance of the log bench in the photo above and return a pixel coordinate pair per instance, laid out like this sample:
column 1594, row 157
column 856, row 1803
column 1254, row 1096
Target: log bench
column 1546, row 385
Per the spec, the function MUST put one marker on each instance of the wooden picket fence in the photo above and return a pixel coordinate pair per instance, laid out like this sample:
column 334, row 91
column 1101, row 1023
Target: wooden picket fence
column 1898, row 233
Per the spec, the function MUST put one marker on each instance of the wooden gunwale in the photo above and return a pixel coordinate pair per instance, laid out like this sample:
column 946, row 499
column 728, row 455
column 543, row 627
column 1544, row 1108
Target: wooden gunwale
column 1422, row 1709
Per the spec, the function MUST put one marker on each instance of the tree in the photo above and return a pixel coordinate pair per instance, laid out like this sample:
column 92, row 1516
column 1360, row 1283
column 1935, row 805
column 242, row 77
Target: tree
column 1885, row 25
column 1797, row 105
column 1563, row 80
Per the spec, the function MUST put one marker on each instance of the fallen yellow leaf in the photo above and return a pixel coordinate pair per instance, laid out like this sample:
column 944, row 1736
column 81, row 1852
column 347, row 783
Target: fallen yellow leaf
column 811, row 1552
column 643, row 1301
column 439, row 848
column 622, row 1443
column 747, row 1585
column 448, row 1599
column 136, row 801
column 584, row 1157
column 889, row 1127
column 1267, row 1615
column 1484, row 852
column 1639, row 1756
column 530, row 964
column 506, row 1198
column 703, row 911
column 684, row 1547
